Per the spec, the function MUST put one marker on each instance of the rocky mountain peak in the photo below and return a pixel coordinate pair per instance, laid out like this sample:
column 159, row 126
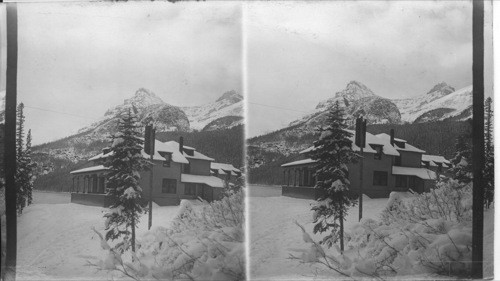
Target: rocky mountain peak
column 355, row 90
column 231, row 96
column 144, row 97
column 442, row 88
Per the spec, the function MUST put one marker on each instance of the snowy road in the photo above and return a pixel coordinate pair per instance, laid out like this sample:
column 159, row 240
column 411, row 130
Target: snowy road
column 274, row 236
column 55, row 239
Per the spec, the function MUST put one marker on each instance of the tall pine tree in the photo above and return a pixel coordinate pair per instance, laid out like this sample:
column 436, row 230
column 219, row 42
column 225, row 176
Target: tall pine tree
column 333, row 153
column 21, row 163
column 462, row 167
column 125, row 163
column 489, row 168
column 30, row 169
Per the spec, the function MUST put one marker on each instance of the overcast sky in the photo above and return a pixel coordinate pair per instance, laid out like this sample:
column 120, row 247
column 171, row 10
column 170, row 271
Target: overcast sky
column 85, row 58
column 300, row 53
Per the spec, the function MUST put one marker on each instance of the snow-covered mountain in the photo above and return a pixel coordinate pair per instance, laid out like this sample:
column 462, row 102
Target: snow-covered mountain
column 225, row 112
column 148, row 106
column 454, row 106
column 440, row 103
column 357, row 99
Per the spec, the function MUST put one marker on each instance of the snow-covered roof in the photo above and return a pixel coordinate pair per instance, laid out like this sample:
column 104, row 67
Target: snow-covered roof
column 387, row 148
column 224, row 166
column 408, row 147
column 173, row 145
column 170, row 147
column 299, row 162
column 422, row 173
column 435, row 158
column 208, row 180
column 90, row 169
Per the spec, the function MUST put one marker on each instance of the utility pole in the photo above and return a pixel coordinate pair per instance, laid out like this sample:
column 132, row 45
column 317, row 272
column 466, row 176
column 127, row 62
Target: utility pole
column 477, row 137
column 360, row 141
column 10, row 144
column 149, row 148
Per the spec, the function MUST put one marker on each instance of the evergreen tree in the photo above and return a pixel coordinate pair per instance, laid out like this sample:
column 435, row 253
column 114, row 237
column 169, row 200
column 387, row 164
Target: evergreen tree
column 489, row 168
column 462, row 168
column 124, row 164
column 333, row 153
column 21, row 163
column 30, row 169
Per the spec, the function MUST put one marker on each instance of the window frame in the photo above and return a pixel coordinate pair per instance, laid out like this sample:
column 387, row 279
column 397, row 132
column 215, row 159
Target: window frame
column 398, row 160
column 166, row 188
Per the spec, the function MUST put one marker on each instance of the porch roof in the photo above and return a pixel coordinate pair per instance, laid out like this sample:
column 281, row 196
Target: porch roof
column 434, row 160
column 299, row 162
column 90, row 169
column 224, row 166
column 422, row 173
column 208, row 180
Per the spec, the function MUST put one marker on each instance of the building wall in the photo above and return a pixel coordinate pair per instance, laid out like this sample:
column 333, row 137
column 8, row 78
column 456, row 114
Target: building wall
column 160, row 173
column 411, row 159
column 369, row 166
column 200, row 167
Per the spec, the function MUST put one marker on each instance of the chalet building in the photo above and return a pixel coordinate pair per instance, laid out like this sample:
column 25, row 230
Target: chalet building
column 226, row 172
column 390, row 164
column 179, row 172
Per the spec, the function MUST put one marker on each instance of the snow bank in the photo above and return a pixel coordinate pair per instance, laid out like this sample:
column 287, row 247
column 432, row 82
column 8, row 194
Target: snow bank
column 418, row 235
column 203, row 242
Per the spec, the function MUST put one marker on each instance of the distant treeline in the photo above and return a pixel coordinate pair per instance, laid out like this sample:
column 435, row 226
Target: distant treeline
column 434, row 137
column 224, row 146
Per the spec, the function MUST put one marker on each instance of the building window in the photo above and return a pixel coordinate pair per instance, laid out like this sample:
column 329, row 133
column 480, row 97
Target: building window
column 190, row 189
column 187, row 168
column 402, row 181
column 398, row 160
column 169, row 186
column 167, row 156
column 378, row 153
column 379, row 178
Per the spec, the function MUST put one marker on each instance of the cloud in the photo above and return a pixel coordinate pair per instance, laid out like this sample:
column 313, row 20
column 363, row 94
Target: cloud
column 87, row 57
column 303, row 52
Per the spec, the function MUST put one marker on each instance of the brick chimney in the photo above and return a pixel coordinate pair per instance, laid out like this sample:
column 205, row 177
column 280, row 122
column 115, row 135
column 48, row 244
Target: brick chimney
column 392, row 137
column 181, row 144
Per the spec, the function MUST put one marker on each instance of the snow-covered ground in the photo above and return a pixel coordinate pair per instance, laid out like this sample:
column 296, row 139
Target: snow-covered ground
column 274, row 236
column 488, row 242
column 55, row 238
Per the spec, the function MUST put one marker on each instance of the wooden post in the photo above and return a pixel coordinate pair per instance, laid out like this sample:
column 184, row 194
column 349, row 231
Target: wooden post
column 361, row 185
column 10, row 144
column 341, row 224
column 152, row 152
column 294, row 176
column 477, row 137
column 362, row 141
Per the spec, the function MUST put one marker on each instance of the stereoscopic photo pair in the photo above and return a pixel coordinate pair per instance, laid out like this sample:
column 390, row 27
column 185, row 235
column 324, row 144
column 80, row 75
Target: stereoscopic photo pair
column 337, row 140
